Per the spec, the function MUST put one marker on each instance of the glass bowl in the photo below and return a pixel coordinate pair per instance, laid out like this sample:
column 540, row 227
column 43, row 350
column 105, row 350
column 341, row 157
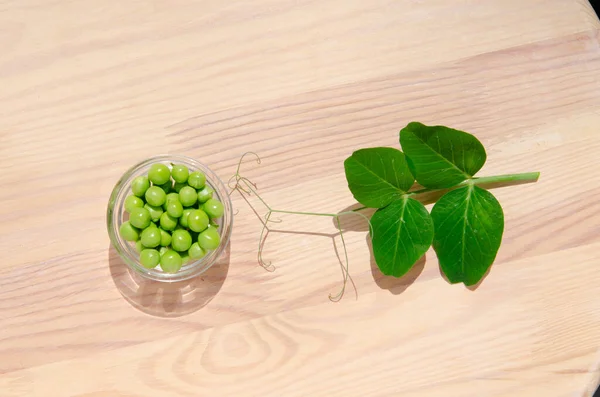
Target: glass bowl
column 116, row 215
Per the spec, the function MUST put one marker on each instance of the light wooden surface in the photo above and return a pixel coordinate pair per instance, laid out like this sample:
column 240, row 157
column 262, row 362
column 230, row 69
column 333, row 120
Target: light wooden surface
column 87, row 88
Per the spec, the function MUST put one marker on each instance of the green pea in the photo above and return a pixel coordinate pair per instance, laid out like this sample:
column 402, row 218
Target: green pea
column 183, row 221
column 159, row 174
column 213, row 208
column 170, row 261
column 180, row 173
column 149, row 258
column 162, row 250
column 129, row 232
column 155, row 212
column 185, row 258
column 167, row 222
column 139, row 247
column 165, row 238
column 196, row 252
column 209, row 239
column 174, row 208
column 205, row 194
column 188, row 196
column 167, row 187
column 155, row 196
column 150, row 236
column 178, row 186
column 197, row 180
column 140, row 218
column 213, row 223
column 132, row 202
column 198, row 220
column 139, row 185
column 170, row 196
column 181, row 240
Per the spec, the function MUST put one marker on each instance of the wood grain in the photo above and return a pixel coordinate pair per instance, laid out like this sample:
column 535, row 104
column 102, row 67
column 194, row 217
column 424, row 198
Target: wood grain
column 88, row 88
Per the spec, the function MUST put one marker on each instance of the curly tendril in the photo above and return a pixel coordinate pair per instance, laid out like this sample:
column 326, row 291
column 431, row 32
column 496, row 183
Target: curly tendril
column 246, row 188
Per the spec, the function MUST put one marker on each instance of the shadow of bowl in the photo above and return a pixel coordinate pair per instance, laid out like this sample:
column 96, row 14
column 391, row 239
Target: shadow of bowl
column 163, row 299
column 396, row 285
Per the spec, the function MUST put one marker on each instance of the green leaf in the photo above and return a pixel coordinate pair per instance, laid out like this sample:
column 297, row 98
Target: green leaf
column 441, row 157
column 377, row 176
column 401, row 233
column 468, row 225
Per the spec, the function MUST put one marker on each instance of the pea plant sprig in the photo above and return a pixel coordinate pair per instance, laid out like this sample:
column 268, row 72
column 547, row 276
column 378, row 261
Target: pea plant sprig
column 466, row 223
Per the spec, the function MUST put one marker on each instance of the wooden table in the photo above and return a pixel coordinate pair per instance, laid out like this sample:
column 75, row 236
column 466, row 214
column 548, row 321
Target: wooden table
column 87, row 88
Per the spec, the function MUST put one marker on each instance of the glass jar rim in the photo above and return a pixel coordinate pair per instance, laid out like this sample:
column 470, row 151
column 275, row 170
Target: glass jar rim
column 127, row 253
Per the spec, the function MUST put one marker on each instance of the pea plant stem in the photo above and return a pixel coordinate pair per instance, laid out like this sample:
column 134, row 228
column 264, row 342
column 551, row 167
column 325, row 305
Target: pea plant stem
column 485, row 181
column 489, row 181
column 304, row 213
column 525, row 177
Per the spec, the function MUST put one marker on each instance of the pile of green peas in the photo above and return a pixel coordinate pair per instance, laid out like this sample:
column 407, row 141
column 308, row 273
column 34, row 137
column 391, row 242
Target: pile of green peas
column 172, row 217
